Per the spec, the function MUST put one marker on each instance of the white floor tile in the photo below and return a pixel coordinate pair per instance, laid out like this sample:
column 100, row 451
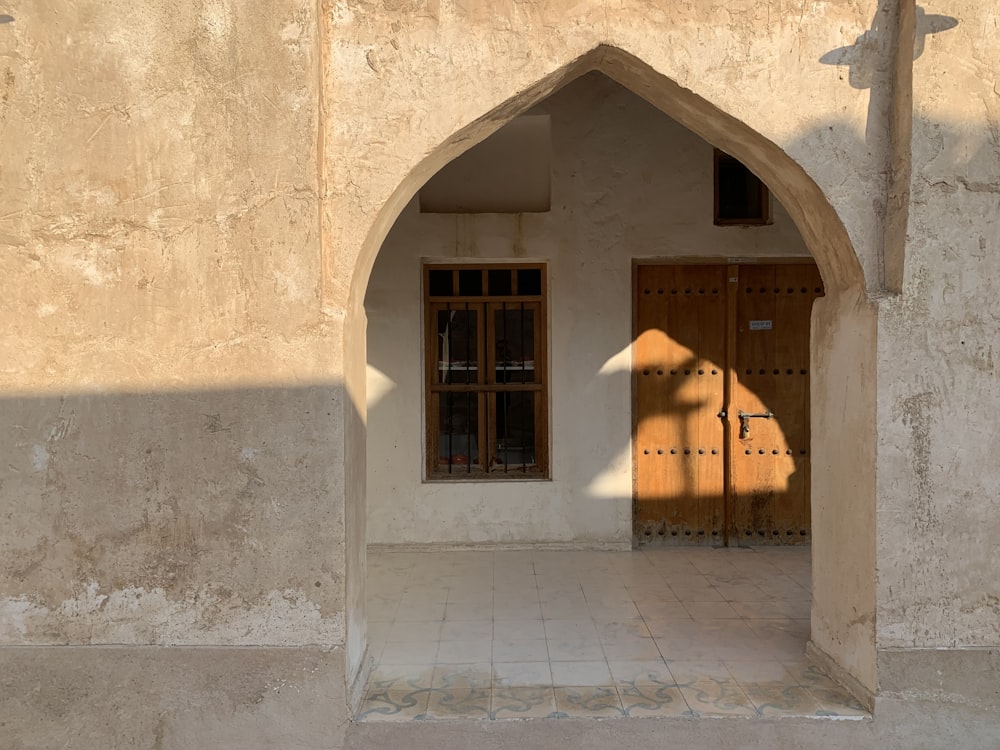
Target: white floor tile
column 466, row 630
column 522, row 674
column 415, row 630
column 520, row 649
column 457, row 652
column 531, row 630
column 575, row 649
column 504, row 630
column 580, row 673
column 410, row 652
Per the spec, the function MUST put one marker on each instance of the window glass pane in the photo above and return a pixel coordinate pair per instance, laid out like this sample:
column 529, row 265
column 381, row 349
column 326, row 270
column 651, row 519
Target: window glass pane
column 499, row 280
column 470, row 283
column 458, row 425
column 529, row 281
column 514, row 334
column 439, row 284
column 515, row 430
column 740, row 192
column 457, row 346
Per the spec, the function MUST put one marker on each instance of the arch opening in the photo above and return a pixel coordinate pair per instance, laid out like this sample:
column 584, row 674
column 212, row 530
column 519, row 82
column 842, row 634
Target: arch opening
column 842, row 340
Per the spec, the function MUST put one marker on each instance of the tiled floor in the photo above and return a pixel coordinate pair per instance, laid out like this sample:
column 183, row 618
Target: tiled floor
column 536, row 633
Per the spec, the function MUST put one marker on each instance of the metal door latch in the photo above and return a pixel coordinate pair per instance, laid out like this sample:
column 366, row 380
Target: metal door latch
column 745, row 418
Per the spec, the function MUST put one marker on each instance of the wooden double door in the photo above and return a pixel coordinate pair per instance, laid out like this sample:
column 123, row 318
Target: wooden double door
column 721, row 403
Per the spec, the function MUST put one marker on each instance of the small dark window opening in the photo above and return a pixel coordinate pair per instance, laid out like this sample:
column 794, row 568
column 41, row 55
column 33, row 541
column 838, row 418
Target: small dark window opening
column 740, row 197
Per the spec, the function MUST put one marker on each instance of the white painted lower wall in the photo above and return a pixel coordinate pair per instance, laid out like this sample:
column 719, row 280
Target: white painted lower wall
column 627, row 183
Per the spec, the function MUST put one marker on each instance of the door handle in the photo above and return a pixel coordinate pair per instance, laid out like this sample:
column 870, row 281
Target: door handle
column 745, row 418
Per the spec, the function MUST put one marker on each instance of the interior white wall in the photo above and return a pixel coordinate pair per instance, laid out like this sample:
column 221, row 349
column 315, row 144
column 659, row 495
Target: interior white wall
column 627, row 182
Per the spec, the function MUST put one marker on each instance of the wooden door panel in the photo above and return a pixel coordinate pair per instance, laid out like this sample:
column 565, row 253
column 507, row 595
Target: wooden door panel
column 679, row 381
column 769, row 492
column 690, row 326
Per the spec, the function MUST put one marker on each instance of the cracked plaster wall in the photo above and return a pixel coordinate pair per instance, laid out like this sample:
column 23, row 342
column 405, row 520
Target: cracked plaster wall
column 939, row 392
column 172, row 408
column 425, row 71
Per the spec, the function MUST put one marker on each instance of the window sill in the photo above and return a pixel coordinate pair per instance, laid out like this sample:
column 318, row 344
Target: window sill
column 484, row 479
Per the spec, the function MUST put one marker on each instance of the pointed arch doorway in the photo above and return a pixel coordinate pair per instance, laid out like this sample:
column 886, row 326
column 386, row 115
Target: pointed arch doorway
column 843, row 331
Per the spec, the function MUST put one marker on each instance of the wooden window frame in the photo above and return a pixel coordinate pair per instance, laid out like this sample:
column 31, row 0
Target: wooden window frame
column 486, row 386
column 764, row 207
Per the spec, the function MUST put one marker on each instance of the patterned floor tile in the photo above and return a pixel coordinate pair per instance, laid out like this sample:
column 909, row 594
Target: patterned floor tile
column 762, row 672
column 645, row 699
column 782, row 700
column 459, row 704
column 649, row 671
column 588, row 701
column 523, row 703
column 393, row 705
column 463, row 676
column 686, row 671
column 522, row 674
column 401, row 677
column 712, row 698
column 838, row 702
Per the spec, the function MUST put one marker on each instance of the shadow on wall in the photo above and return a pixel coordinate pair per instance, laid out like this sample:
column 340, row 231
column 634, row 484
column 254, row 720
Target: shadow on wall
column 865, row 56
column 868, row 59
column 201, row 517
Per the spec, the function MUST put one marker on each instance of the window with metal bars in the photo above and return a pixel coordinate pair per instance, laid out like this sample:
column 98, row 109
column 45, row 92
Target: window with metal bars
column 486, row 396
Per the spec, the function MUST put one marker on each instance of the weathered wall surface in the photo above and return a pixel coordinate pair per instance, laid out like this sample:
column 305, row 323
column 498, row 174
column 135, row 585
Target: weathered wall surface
column 418, row 83
column 627, row 182
column 171, row 416
column 171, row 409
column 186, row 246
column 939, row 393
column 171, row 699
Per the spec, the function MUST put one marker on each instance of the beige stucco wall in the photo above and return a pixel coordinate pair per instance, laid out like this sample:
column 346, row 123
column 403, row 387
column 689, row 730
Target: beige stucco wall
column 627, row 183
column 173, row 406
column 939, row 392
column 168, row 470
column 194, row 194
